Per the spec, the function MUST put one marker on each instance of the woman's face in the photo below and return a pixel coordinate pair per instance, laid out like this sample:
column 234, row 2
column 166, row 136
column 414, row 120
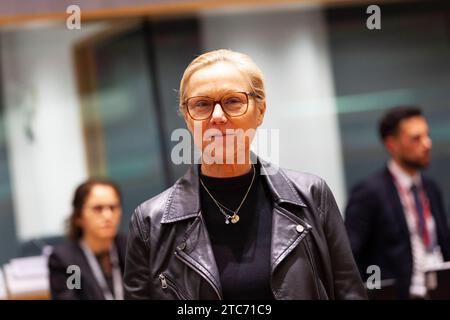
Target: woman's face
column 215, row 81
column 101, row 213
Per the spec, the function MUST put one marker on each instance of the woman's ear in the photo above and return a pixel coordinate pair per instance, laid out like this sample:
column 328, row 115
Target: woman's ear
column 261, row 111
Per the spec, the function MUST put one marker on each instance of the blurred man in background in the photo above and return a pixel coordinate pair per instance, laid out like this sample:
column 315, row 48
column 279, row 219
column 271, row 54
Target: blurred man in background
column 396, row 218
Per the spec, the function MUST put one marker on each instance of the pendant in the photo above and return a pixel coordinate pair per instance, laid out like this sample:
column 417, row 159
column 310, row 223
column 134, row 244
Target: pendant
column 235, row 218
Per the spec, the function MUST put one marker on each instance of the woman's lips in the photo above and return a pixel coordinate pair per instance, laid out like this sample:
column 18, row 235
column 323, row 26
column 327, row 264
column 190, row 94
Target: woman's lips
column 218, row 135
column 107, row 227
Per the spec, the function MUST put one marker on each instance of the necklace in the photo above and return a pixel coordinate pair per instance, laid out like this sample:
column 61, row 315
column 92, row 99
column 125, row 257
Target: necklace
column 234, row 217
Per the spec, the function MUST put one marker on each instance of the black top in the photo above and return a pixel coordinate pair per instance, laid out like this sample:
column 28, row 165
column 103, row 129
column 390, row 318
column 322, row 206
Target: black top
column 242, row 249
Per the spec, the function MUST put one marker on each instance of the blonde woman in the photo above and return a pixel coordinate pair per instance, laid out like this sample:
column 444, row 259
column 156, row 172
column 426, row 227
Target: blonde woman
column 237, row 229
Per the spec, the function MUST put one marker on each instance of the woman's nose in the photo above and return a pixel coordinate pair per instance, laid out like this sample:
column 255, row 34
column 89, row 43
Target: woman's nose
column 107, row 213
column 218, row 116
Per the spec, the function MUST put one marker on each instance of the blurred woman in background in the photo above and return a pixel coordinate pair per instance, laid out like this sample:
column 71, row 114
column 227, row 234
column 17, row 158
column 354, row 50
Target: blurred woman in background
column 90, row 265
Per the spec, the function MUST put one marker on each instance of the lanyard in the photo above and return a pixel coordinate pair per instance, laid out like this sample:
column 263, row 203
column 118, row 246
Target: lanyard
column 412, row 208
column 99, row 276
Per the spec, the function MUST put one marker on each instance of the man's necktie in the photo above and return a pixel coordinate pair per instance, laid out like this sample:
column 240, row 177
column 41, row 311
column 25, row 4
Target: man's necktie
column 421, row 223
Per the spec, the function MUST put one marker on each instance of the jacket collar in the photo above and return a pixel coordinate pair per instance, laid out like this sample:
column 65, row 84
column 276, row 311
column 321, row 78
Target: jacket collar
column 402, row 178
column 184, row 199
column 280, row 186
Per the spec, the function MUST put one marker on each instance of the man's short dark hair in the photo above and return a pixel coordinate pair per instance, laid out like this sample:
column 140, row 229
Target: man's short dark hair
column 390, row 121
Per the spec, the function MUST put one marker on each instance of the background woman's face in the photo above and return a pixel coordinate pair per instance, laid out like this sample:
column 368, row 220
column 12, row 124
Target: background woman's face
column 215, row 81
column 101, row 213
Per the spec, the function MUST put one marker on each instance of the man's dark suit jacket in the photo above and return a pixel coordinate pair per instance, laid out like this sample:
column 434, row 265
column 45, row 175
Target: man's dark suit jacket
column 71, row 254
column 378, row 230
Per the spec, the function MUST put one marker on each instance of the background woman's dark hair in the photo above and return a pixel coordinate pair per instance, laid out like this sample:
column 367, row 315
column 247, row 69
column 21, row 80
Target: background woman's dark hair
column 390, row 121
column 74, row 232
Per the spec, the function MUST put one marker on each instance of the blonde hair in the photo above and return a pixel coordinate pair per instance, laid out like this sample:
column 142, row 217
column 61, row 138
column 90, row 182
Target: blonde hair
column 241, row 61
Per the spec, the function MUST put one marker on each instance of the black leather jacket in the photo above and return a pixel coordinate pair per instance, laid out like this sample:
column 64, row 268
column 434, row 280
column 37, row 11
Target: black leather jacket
column 169, row 255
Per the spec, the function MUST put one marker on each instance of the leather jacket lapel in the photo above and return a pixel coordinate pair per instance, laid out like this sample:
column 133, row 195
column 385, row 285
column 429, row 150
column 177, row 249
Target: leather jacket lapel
column 289, row 223
column 196, row 252
column 288, row 231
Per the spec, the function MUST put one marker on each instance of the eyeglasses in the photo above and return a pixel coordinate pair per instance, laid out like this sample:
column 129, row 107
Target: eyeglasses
column 98, row 209
column 233, row 104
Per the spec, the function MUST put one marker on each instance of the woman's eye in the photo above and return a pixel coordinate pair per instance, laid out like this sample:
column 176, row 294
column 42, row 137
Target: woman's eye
column 97, row 209
column 202, row 104
column 232, row 100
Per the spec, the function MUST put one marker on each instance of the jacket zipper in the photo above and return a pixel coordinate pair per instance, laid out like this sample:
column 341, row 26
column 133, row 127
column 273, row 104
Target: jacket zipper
column 202, row 274
column 313, row 266
column 166, row 283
